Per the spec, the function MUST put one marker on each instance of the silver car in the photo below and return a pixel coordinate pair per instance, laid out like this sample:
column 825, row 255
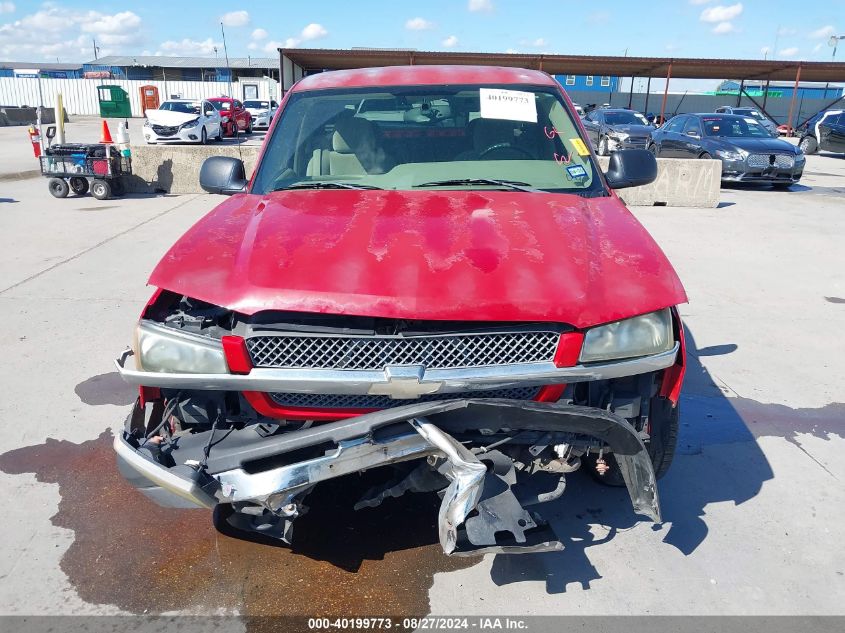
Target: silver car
column 262, row 111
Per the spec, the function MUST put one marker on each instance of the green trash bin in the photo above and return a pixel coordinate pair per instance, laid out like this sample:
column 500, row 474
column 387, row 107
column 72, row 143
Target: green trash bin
column 114, row 102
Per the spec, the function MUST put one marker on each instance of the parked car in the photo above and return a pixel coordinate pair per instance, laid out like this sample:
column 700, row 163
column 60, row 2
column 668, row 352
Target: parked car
column 233, row 115
column 747, row 151
column 578, row 109
column 262, row 111
column 183, row 120
column 613, row 129
column 825, row 131
column 762, row 119
column 463, row 299
column 786, row 130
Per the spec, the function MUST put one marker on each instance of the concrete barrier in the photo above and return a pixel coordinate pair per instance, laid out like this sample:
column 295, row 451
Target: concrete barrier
column 175, row 169
column 27, row 116
column 680, row 182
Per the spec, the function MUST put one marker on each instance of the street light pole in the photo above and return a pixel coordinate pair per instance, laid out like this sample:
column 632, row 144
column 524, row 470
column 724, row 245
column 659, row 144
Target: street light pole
column 834, row 42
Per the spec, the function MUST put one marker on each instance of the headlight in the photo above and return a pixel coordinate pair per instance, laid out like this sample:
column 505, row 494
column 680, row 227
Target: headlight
column 191, row 123
column 161, row 349
column 728, row 154
column 640, row 336
column 619, row 136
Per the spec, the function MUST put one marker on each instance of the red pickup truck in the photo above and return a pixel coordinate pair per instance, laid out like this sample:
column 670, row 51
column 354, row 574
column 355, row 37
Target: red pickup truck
column 427, row 277
column 233, row 115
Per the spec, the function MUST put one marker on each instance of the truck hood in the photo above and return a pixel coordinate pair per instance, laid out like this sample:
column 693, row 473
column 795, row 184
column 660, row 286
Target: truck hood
column 456, row 255
column 169, row 117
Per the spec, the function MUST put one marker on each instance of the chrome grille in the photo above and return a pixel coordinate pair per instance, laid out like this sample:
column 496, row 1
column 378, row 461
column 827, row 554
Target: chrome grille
column 781, row 161
column 340, row 401
column 377, row 352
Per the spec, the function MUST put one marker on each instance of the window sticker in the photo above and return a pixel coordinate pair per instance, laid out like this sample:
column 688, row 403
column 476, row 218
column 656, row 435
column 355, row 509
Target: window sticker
column 513, row 105
column 577, row 171
column 579, row 146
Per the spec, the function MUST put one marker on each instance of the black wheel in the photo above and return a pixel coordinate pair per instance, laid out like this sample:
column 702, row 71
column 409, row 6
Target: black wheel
column 79, row 185
column 249, row 127
column 808, row 145
column 58, row 187
column 203, row 136
column 705, row 156
column 117, row 186
column 100, row 189
column 653, row 149
column 219, row 136
column 661, row 445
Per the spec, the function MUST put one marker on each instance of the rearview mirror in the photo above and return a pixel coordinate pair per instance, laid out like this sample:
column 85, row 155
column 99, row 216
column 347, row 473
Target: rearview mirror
column 631, row 168
column 223, row 174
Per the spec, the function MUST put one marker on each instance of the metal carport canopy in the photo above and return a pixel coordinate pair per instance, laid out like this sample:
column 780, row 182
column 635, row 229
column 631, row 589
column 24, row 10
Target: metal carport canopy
column 310, row 59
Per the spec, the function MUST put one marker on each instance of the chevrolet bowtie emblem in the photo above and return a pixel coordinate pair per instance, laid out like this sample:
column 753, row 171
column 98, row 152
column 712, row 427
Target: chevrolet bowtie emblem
column 404, row 383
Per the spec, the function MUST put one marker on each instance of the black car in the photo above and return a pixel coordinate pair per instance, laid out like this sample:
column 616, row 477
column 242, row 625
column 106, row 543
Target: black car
column 610, row 129
column 747, row 151
column 825, row 131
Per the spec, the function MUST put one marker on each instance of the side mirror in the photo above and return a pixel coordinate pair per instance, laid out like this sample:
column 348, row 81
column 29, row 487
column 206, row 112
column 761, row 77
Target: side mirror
column 223, row 174
column 631, row 168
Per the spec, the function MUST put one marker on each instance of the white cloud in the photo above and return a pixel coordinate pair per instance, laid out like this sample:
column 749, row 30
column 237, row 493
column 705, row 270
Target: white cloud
column 697, row 2
column 823, row 33
column 273, row 46
column 7, row 7
column 189, row 47
column 512, row 51
column 539, row 42
column 54, row 31
column 788, row 52
column 818, row 47
column 723, row 28
column 450, row 42
column 418, row 24
column 480, row 5
column 259, row 34
column 313, row 31
column 721, row 13
column 785, row 30
column 235, row 18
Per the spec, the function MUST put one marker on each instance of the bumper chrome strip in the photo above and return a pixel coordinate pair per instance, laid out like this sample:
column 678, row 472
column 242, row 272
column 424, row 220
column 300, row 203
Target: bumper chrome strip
column 397, row 382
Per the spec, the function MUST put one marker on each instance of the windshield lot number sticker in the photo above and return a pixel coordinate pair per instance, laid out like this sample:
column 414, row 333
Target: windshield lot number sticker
column 513, row 105
column 579, row 146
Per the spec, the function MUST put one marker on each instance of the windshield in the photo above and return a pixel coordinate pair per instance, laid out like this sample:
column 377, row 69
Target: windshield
column 257, row 104
column 409, row 137
column 181, row 106
column 625, row 118
column 221, row 105
column 733, row 127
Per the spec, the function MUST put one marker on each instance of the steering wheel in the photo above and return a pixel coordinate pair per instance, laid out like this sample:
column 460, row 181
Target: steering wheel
column 505, row 145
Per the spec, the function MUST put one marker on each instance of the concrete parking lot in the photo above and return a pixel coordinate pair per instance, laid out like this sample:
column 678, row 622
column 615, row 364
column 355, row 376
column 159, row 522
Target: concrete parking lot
column 754, row 505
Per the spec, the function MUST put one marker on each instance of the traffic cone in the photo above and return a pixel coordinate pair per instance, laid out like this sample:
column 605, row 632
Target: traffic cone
column 105, row 137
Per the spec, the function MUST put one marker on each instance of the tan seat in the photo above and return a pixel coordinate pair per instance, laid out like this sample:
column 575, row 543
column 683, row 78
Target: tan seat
column 354, row 151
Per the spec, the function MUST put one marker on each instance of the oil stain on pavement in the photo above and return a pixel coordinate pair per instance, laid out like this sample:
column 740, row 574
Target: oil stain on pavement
column 131, row 553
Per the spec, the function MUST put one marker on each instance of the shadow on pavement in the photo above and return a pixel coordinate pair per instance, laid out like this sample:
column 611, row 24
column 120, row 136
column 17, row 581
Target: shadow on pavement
column 693, row 482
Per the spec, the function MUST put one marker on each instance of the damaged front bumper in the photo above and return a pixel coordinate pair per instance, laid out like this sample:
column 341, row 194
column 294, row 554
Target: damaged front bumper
column 481, row 509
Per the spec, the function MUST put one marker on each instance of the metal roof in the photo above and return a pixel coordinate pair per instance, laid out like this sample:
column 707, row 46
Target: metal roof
column 40, row 65
column 166, row 61
column 688, row 68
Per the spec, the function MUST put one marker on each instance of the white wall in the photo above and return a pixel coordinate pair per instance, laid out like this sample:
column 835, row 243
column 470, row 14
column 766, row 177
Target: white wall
column 80, row 95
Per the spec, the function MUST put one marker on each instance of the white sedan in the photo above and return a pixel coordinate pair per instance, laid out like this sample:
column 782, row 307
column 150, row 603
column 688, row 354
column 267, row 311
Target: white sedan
column 262, row 111
column 184, row 121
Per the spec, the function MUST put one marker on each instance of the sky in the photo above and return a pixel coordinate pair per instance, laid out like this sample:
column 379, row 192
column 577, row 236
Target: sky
column 780, row 29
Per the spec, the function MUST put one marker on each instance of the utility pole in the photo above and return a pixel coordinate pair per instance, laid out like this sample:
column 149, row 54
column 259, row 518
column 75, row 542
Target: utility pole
column 96, row 48
column 228, row 69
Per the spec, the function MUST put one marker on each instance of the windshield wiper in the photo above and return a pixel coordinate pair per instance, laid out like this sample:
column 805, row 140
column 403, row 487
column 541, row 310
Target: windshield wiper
column 514, row 185
column 324, row 185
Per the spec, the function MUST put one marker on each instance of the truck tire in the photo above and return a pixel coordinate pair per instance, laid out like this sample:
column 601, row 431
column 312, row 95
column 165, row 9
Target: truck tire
column 661, row 446
column 58, row 187
column 101, row 189
column 79, row 185
column 808, row 145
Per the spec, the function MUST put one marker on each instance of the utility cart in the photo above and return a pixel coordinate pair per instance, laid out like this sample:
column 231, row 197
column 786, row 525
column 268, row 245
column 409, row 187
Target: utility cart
column 78, row 167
